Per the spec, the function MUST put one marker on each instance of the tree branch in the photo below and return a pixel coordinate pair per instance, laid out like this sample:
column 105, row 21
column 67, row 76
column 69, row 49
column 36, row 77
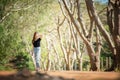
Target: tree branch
column 4, row 17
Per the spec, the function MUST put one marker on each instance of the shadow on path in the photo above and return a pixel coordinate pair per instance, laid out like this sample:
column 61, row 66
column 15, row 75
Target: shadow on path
column 27, row 75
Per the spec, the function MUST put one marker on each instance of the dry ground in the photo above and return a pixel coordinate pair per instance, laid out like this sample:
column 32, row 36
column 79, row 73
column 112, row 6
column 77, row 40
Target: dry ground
column 58, row 75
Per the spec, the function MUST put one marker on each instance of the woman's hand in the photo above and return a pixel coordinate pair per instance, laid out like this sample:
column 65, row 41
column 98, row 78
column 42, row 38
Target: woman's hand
column 38, row 35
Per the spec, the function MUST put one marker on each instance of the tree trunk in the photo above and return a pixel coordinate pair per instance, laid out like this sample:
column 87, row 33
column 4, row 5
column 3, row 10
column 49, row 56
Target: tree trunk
column 48, row 66
column 80, row 19
column 57, row 56
column 98, row 49
column 90, row 4
column 64, row 50
column 91, row 8
column 113, row 18
column 90, row 50
column 116, row 33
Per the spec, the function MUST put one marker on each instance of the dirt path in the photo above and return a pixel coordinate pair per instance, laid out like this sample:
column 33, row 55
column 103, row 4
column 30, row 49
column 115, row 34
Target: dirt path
column 59, row 75
column 78, row 75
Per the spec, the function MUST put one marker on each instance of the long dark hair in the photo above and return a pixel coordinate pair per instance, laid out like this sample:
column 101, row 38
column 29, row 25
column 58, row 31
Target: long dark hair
column 34, row 37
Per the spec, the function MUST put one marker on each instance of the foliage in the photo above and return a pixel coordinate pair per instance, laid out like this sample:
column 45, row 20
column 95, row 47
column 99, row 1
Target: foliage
column 21, row 61
column 17, row 28
column 25, row 17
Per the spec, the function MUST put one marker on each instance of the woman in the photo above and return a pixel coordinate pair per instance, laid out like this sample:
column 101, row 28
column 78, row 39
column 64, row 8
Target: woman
column 37, row 50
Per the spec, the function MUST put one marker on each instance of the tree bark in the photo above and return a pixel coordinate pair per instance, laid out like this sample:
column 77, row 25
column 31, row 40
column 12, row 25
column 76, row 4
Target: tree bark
column 77, row 47
column 113, row 19
column 48, row 66
column 80, row 19
column 88, row 45
column 98, row 48
column 57, row 56
column 117, row 31
column 90, row 4
column 91, row 8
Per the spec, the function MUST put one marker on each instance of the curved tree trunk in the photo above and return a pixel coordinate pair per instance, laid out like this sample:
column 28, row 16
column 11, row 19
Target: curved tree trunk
column 91, row 8
column 99, row 24
column 90, row 50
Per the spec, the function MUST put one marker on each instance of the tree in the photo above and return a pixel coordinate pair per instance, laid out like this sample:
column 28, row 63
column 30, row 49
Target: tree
column 113, row 20
column 90, row 49
column 18, row 21
column 94, row 53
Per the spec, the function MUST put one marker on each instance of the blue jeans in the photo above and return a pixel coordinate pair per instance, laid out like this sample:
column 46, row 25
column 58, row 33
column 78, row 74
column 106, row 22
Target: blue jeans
column 37, row 52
